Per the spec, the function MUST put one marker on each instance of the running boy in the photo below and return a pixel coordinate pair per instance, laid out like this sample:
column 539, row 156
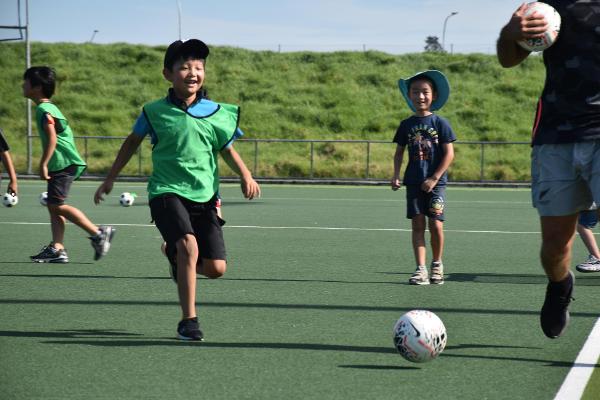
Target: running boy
column 60, row 165
column 187, row 132
column 428, row 139
column 8, row 165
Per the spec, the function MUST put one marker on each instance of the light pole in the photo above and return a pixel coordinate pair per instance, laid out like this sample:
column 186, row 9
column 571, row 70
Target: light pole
column 93, row 35
column 444, row 30
column 179, row 17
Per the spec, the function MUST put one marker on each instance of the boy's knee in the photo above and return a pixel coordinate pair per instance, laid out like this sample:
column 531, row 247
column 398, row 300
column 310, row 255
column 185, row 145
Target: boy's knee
column 187, row 245
column 212, row 269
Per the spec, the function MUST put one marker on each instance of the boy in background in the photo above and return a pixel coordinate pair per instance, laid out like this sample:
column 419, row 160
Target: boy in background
column 188, row 132
column 428, row 139
column 8, row 165
column 60, row 165
column 587, row 221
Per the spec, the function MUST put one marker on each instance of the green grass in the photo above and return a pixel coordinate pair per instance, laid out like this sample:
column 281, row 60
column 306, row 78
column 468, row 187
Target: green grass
column 302, row 95
column 317, row 277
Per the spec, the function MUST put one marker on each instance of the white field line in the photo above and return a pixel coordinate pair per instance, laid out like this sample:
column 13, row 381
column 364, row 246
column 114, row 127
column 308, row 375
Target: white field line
column 315, row 228
column 581, row 371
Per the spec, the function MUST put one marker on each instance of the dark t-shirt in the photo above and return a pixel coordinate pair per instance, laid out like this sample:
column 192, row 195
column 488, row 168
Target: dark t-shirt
column 3, row 145
column 423, row 137
column 569, row 106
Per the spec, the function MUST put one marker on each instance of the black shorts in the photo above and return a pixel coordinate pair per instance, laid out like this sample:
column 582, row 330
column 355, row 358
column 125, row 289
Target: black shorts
column 420, row 202
column 59, row 184
column 175, row 217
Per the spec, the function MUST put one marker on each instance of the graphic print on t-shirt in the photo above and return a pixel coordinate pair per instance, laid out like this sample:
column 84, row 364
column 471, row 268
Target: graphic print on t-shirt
column 421, row 139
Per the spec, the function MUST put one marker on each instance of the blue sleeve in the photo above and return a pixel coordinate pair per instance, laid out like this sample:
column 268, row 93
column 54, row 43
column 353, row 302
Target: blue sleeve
column 446, row 133
column 400, row 137
column 141, row 126
column 238, row 134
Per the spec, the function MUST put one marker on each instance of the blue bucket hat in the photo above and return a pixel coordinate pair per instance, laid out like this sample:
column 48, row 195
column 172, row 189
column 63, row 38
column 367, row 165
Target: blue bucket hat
column 442, row 88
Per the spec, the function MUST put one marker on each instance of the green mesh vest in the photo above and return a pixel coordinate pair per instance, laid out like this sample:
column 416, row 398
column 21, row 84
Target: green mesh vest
column 66, row 153
column 184, row 157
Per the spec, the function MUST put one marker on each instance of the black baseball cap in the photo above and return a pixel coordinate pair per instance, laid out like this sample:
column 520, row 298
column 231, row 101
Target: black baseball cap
column 192, row 48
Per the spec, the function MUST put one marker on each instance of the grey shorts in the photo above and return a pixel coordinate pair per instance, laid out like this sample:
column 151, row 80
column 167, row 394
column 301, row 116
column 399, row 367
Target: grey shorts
column 565, row 178
column 59, row 184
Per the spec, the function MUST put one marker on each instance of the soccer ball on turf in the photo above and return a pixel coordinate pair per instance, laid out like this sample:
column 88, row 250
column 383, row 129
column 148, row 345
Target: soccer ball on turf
column 44, row 198
column 552, row 17
column 10, row 199
column 419, row 336
column 126, row 199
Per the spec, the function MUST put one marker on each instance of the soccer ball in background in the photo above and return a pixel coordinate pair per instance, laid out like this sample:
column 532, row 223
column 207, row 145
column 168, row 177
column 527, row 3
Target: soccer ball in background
column 552, row 17
column 44, row 198
column 419, row 336
column 126, row 199
column 10, row 199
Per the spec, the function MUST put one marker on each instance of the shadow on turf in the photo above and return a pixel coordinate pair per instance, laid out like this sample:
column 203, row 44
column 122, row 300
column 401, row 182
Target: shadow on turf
column 521, row 279
column 53, row 264
column 104, row 338
column 338, row 307
column 61, row 276
column 71, row 334
column 377, row 367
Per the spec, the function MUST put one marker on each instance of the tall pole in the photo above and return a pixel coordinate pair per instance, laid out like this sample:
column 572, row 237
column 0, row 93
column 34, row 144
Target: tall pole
column 444, row 30
column 179, row 17
column 93, row 35
column 27, row 65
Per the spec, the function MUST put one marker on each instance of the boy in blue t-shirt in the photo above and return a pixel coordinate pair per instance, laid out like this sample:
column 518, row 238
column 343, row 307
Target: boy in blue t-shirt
column 428, row 139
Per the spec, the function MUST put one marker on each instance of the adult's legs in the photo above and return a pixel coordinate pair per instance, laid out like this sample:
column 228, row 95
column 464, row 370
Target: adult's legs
column 557, row 240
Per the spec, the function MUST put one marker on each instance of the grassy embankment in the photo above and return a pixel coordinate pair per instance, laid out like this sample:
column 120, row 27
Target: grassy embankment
column 303, row 95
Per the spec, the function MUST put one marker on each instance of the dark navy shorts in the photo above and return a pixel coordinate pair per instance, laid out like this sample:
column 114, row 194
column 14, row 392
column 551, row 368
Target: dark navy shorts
column 588, row 218
column 430, row 204
column 59, row 184
column 175, row 217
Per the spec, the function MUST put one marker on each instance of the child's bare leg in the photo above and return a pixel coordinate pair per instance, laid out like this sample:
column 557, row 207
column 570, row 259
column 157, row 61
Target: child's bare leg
column 187, row 258
column 418, row 238
column 211, row 268
column 75, row 216
column 57, row 226
column 436, row 228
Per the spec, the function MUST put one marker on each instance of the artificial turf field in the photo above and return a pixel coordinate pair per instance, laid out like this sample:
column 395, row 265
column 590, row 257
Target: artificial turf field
column 317, row 277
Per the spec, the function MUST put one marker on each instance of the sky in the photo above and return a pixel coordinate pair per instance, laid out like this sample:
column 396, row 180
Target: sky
column 393, row 26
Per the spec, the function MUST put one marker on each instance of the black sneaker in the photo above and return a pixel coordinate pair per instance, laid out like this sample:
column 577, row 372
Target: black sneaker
column 189, row 329
column 554, row 316
column 101, row 242
column 49, row 254
column 172, row 257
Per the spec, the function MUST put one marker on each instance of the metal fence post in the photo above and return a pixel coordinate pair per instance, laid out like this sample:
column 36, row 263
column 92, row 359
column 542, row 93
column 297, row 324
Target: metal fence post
column 368, row 158
column 85, row 149
column 140, row 160
column 482, row 162
column 255, row 157
column 312, row 158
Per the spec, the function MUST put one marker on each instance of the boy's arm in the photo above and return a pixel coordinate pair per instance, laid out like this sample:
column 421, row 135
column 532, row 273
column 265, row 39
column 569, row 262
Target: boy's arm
column 250, row 188
column 48, row 149
column 398, row 156
column 127, row 150
column 445, row 162
column 10, row 169
column 518, row 28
